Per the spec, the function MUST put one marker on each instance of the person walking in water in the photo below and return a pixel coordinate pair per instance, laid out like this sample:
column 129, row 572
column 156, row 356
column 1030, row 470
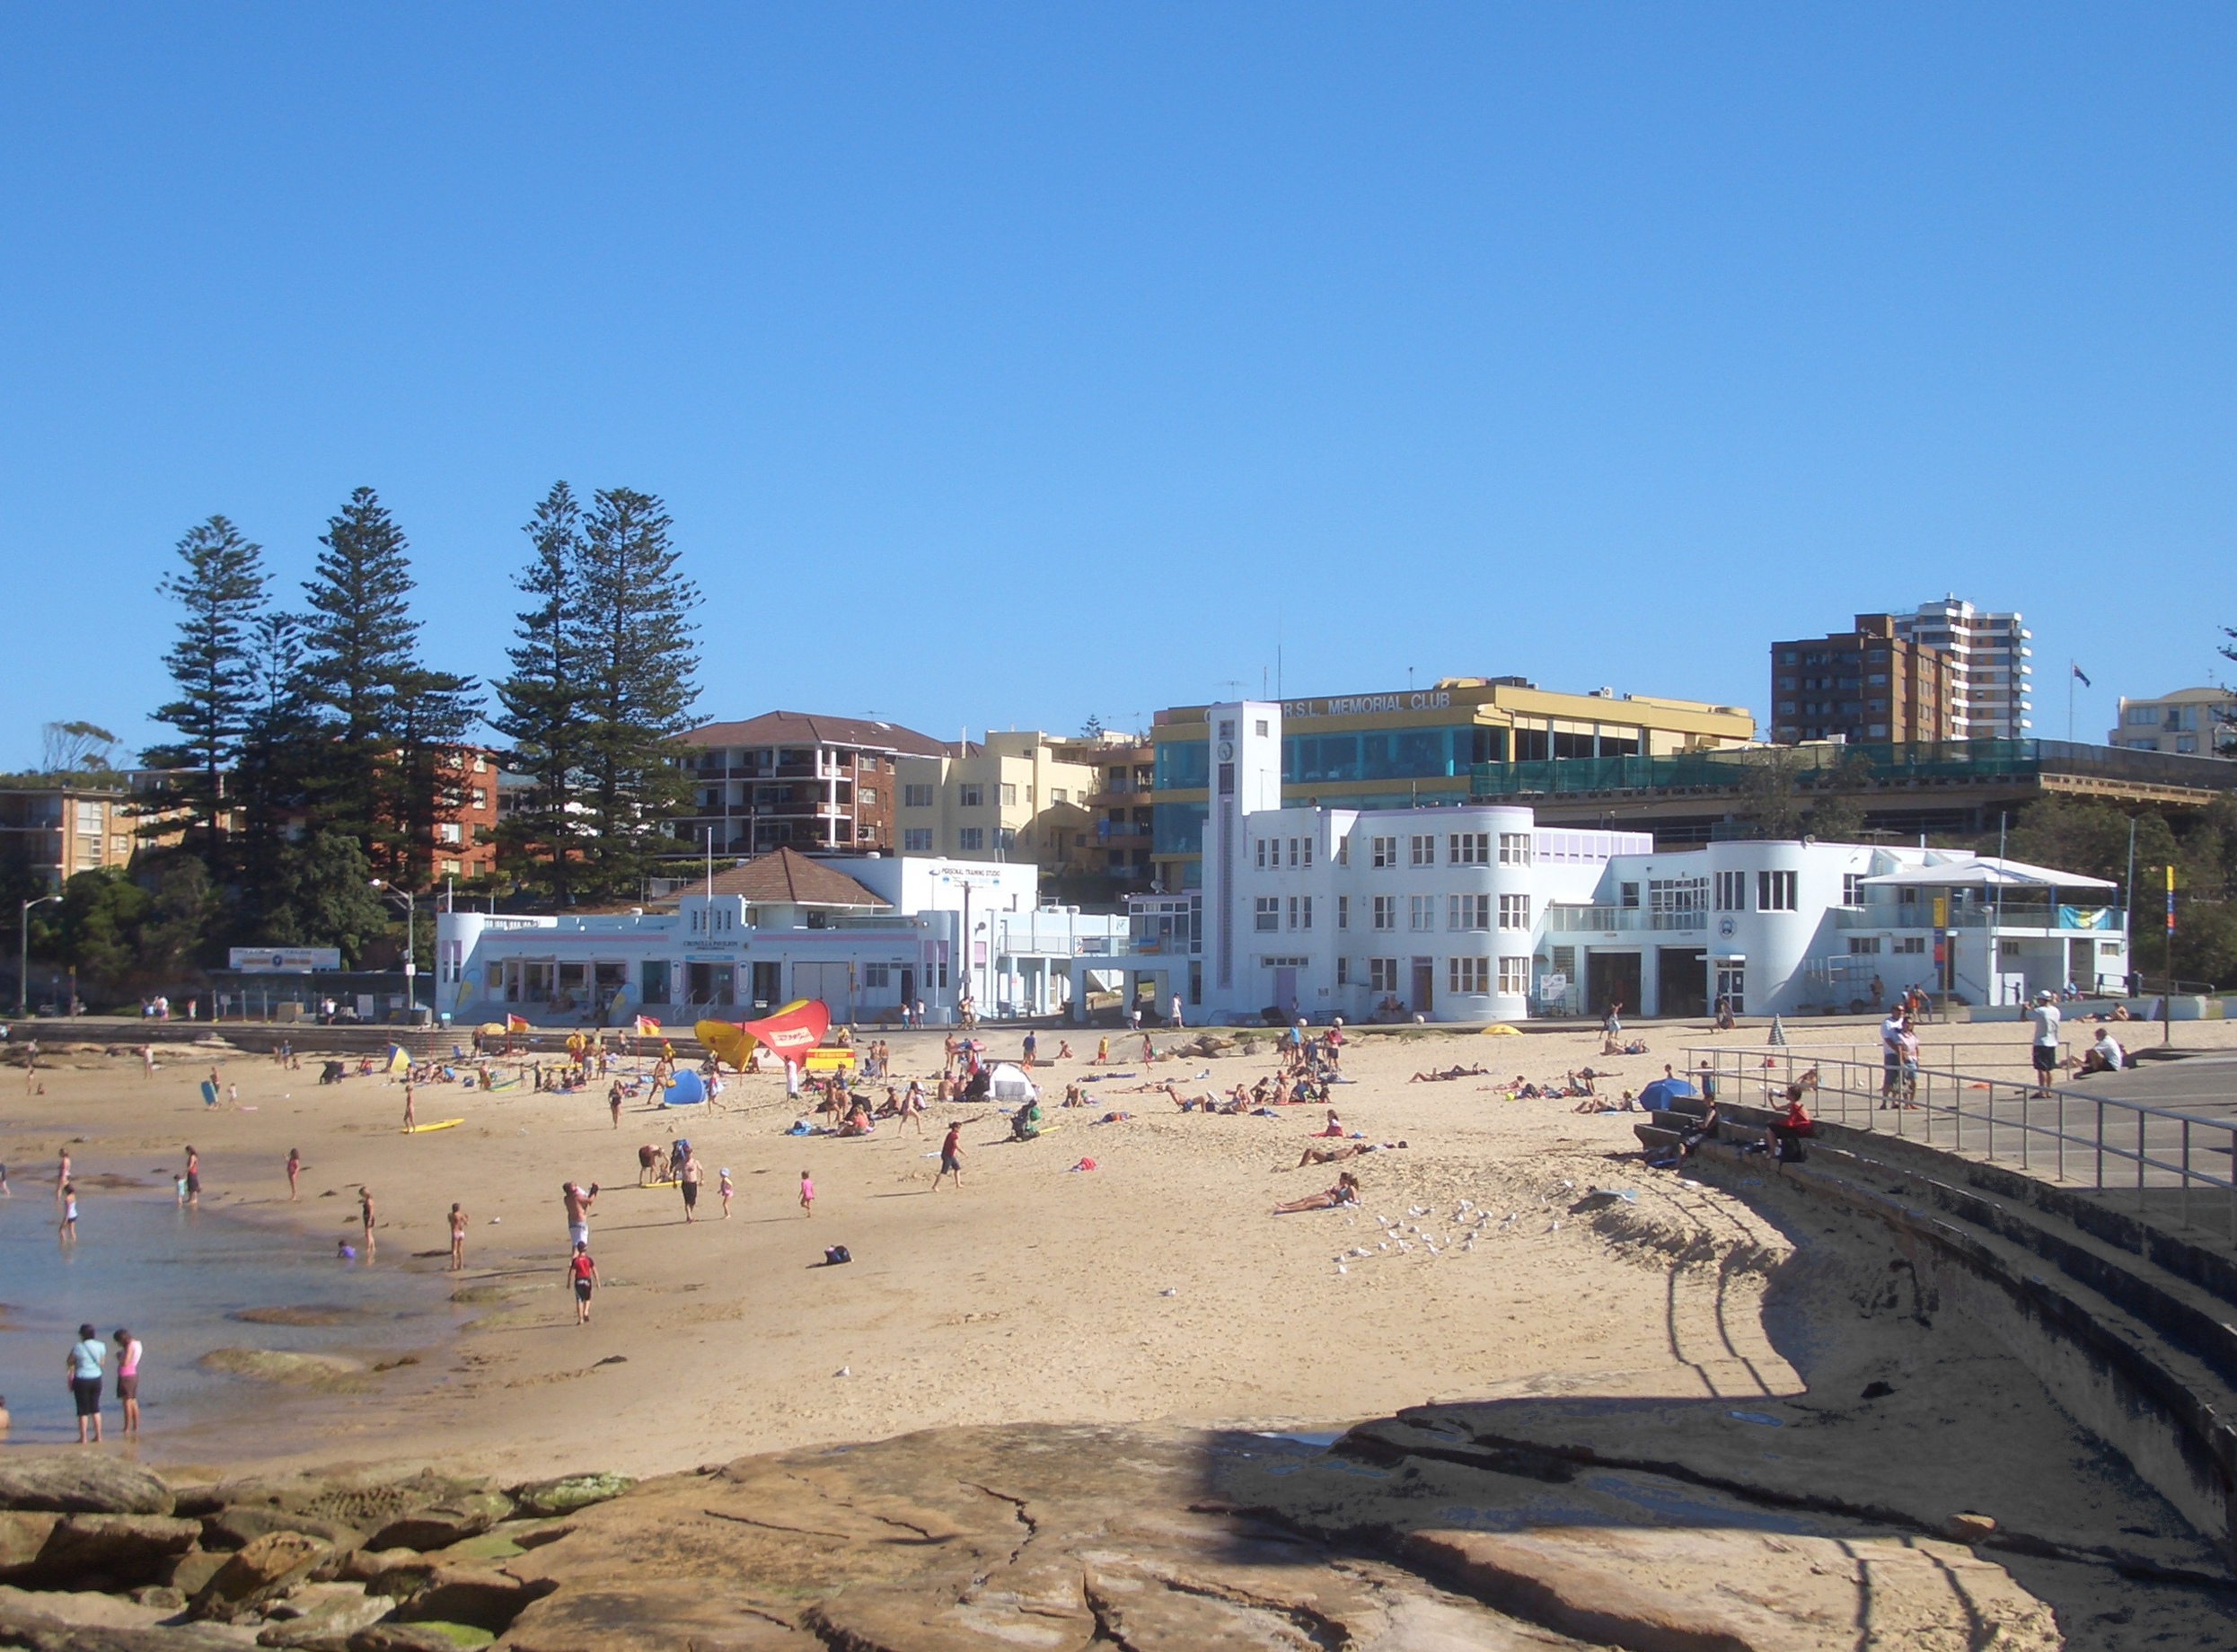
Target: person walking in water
column 294, row 1169
column 458, row 1238
column 365, row 1215
column 129, row 1352
column 194, row 1176
column 65, row 1229
column 85, row 1357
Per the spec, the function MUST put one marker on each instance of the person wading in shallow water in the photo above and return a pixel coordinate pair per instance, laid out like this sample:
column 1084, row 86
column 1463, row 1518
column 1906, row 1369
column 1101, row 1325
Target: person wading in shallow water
column 85, row 1357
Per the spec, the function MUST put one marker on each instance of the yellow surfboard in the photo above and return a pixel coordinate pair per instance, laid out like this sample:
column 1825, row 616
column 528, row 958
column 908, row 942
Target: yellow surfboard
column 440, row 1124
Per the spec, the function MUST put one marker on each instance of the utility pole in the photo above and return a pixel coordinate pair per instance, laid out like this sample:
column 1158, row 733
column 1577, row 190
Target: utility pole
column 23, row 955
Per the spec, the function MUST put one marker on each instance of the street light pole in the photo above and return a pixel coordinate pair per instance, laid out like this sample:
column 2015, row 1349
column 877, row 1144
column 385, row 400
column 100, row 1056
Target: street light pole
column 24, row 954
column 411, row 924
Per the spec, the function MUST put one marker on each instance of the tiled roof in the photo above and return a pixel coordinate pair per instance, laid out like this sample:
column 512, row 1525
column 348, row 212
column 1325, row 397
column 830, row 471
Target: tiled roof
column 783, row 876
column 804, row 728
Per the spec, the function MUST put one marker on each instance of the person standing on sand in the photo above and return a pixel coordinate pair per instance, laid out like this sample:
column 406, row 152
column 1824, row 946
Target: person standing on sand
column 688, row 1178
column 366, row 1215
column 614, row 1103
column 723, row 1187
column 66, row 1230
column 458, row 1238
column 578, row 1200
column 583, row 1274
column 84, row 1366
column 129, row 1381
column 147, row 1060
column 294, row 1169
column 807, row 1195
column 951, row 1156
column 194, row 1177
column 410, row 1121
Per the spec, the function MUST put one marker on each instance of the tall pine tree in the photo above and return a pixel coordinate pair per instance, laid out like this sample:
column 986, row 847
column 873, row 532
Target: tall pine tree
column 541, row 701
column 387, row 716
column 637, row 658
column 221, row 585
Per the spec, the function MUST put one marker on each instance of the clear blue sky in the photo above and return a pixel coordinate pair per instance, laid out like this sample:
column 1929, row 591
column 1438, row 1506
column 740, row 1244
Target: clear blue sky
column 1002, row 365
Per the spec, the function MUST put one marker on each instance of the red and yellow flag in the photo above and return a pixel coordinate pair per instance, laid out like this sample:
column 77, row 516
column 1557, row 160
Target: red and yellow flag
column 646, row 1027
column 517, row 1023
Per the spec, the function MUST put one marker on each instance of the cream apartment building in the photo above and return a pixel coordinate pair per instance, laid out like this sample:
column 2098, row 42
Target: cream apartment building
column 1013, row 797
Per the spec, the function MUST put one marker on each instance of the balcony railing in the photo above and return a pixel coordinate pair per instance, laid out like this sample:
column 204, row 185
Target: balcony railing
column 1583, row 919
column 2072, row 920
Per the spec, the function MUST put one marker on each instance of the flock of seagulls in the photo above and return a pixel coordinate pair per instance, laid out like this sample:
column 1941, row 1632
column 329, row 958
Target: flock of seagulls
column 1401, row 1236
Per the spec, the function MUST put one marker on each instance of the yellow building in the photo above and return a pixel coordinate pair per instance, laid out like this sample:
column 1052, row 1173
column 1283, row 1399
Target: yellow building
column 57, row 831
column 1391, row 749
column 1013, row 798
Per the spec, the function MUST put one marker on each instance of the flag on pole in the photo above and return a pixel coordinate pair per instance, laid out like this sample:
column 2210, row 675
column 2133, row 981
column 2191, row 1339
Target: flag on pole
column 517, row 1023
column 2083, row 675
column 646, row 1027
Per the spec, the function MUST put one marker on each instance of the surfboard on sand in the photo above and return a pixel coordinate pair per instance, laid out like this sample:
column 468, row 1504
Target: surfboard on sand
column 440, row 1124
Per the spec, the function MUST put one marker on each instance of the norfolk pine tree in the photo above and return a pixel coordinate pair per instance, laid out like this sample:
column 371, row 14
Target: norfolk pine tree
column 637, row 657
column 542, row 700
column 221, row 587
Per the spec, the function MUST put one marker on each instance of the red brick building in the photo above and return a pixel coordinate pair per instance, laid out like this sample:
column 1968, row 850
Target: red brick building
column 465, row 844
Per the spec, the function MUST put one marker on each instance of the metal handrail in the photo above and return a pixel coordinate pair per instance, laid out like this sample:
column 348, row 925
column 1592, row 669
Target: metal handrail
column 1941, row 1096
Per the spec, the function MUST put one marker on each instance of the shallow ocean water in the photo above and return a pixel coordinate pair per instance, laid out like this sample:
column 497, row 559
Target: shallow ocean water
column 180, row 1278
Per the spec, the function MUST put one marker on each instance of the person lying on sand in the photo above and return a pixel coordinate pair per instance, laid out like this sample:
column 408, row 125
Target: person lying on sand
column 1350, row 1150
column 1345, row 1192
column 1447, row 1075
column 1600, row 1103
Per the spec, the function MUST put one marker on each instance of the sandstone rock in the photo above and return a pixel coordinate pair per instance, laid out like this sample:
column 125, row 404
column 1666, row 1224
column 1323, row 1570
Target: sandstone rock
column 81, row 1485
column 114, row 1551
column 260, row 1572
column 485, row 1597
column 441, row 1524
column 159, row 1597
column 652, row 1620
column 1968, row 1529
column 322, row 1617
column 191, row 1572
column 394, row 1572
column 419, row 1637
column 569, row 1493
column 64, row 1622
column 239, row 1526
column 21, row 1537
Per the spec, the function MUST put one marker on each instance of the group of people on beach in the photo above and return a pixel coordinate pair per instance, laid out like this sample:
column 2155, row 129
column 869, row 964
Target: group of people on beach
column 88, row 1355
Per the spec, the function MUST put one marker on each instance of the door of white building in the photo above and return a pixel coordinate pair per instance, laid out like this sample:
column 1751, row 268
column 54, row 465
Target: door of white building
column 1731, row 985
column 1285, row 993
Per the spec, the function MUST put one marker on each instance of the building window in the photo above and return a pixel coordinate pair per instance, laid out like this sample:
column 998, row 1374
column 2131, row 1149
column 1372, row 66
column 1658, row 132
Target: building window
column 867, row 797
column 1909, row 943
column 1421, row 912
column 916, row 840
column 1267, row 913
column 1731, row 892
column 970, row 839
column 1343, row 851
column 1860, row 944
column 1514, row 911
column 1775, row 891
column 1627, row 896
column 971, row 797
column 1514, row 848
column 1423, row 849
column 1005, row 839
column 1468, row 975
column 1308, row 849
column 1382, row 975
column 1058, row 794
column 1293, row 851
column 477, row 798
column 1259, row 847
column 447, row 833
column 1469, row 848
column 877, row 976
column 1386, row 852
column 1514, row 976
column 916, row 797
column 1343, row 972
column 1010, row 794
column 1343, row 911
column 1300, row 911
column 1386, row 913
column 1852, row 889
column 1468, row 912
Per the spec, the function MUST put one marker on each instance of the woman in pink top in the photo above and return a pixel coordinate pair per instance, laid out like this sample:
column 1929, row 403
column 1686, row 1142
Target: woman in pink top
column 129, row 1381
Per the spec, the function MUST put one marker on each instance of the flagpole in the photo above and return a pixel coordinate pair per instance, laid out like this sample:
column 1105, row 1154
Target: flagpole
column 2073, row 671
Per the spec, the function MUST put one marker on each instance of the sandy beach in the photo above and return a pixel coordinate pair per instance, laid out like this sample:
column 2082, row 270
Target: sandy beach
column 1157, row 1286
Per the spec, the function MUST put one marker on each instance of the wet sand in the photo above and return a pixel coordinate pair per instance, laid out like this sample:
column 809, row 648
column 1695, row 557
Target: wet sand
column 1157, row 1286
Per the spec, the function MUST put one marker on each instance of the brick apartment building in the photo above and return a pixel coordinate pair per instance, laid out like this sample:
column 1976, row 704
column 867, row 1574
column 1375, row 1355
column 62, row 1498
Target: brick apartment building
column 1866, row 686
column 465, row 844
column 57, row 831
column 799, row 778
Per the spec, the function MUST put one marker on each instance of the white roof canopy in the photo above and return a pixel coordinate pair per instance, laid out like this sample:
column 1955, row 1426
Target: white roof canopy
column 1984, row 872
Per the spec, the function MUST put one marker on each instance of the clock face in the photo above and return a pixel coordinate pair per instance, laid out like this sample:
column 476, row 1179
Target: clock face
column 1226, row 750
